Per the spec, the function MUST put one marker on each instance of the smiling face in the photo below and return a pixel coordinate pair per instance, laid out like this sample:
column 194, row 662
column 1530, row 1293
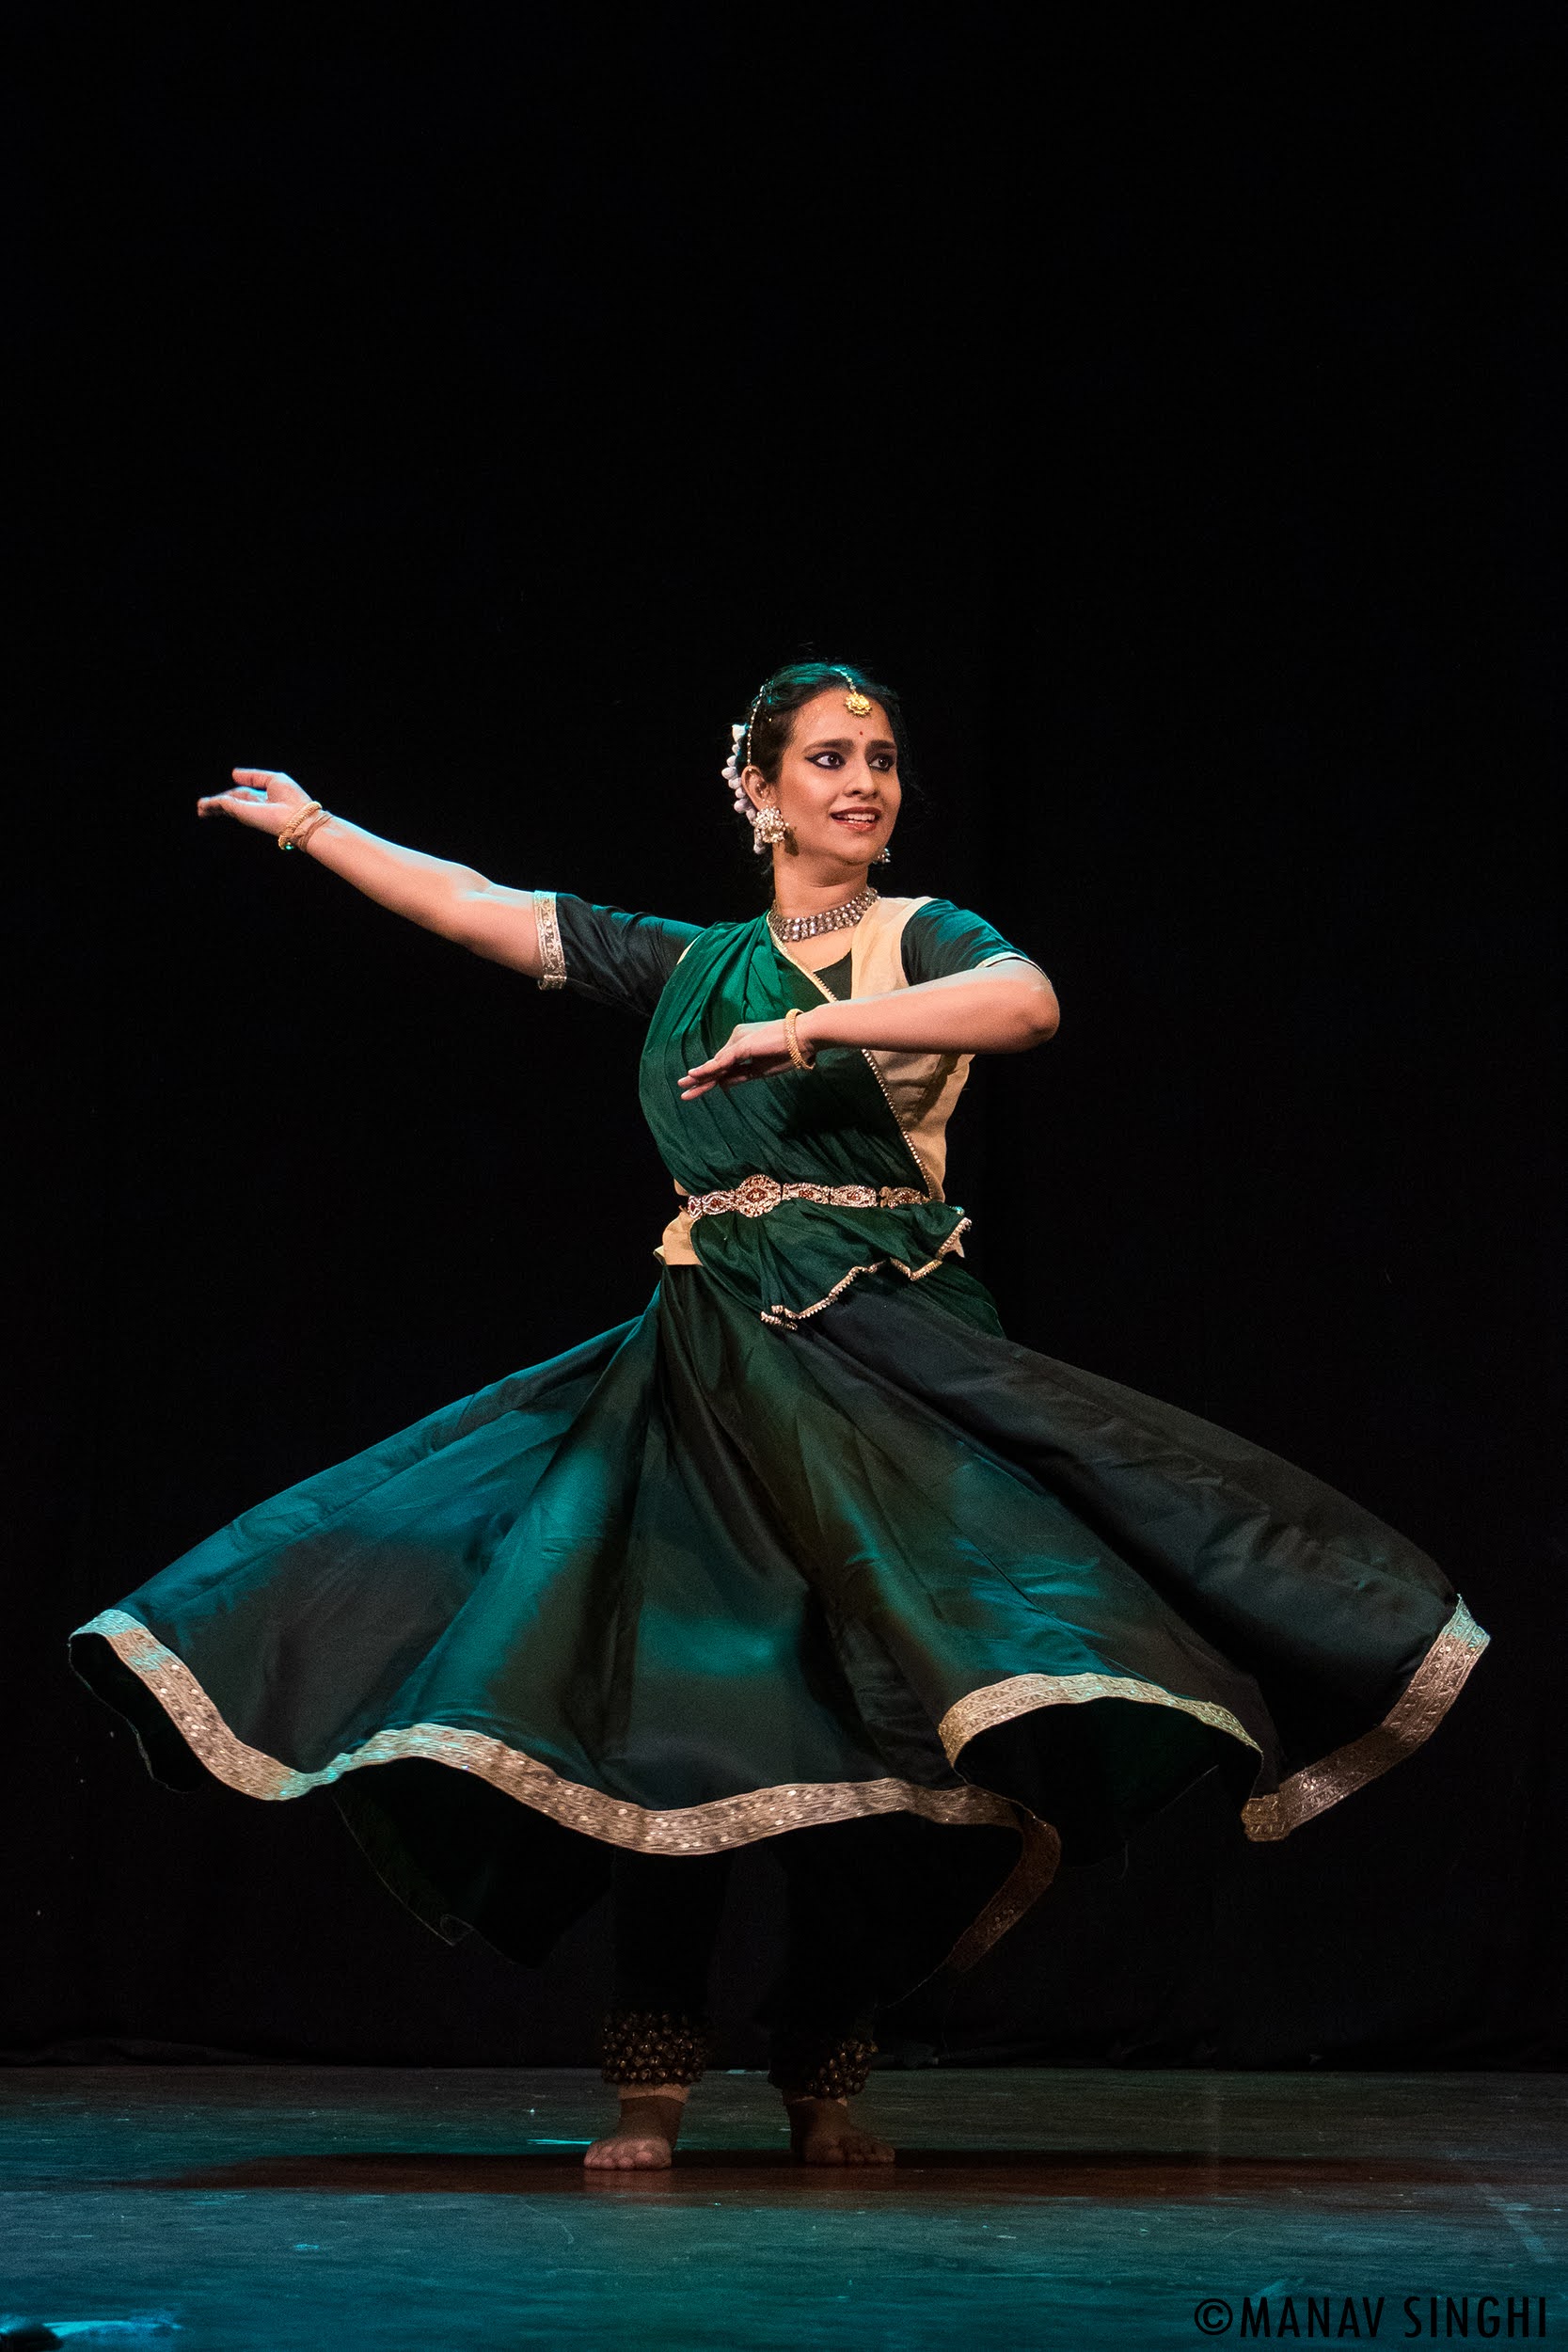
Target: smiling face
column 838, row 788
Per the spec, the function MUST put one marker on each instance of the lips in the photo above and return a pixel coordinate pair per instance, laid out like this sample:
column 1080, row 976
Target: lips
column 858, row 820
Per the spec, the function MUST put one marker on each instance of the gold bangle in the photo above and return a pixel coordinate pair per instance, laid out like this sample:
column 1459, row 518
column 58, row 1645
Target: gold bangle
column 286, row 838
column 802, row 1060
column 308, row 828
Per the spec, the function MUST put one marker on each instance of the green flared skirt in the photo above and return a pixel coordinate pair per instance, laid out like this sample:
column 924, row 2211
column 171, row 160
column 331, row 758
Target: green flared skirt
column 696, row 1583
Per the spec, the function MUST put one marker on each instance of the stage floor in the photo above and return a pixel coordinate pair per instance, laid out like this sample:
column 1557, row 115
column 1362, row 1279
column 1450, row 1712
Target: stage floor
column 327, row 2209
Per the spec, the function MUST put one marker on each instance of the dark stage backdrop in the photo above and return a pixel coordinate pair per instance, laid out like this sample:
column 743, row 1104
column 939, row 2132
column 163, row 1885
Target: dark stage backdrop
column 466, row 426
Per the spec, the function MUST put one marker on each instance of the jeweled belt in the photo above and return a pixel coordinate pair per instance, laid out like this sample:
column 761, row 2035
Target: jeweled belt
column 756, row 1195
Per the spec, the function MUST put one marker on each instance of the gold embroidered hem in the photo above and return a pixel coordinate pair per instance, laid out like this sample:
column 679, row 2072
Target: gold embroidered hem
column 552, row 955
column 1415, row 1715
column 1021, row 1694
column 694, row 1829
column 785, row 1318
column 1409, row 1723
column 1020, row 1890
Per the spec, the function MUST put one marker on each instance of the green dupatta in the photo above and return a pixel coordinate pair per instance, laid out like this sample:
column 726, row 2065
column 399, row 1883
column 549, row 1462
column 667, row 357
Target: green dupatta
column 831, row 1126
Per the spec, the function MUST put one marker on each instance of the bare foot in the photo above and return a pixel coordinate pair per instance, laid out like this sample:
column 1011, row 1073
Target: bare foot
column 644, row 2139
column 820, row 2132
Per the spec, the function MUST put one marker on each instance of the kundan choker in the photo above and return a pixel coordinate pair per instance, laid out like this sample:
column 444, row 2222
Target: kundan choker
column 789, row 927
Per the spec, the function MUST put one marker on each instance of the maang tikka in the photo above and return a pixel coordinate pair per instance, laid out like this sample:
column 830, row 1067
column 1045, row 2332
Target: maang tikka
column 859, row 707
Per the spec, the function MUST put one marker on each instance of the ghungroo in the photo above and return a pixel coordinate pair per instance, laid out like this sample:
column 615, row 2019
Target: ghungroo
column 651, row 2045
column 821, row 2070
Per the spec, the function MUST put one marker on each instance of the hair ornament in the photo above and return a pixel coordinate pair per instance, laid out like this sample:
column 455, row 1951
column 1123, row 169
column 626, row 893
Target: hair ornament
column 855, row 703
column 731, row 771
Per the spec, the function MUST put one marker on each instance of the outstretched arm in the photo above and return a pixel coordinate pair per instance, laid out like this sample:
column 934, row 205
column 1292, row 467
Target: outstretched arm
column 486, row 918
column 1003, row 1008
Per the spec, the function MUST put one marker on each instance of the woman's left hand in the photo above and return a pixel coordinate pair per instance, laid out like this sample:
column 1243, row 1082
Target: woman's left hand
column 757, row 1049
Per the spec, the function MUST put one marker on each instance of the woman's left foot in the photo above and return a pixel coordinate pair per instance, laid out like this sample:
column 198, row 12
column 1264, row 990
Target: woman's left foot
column 820, row 2132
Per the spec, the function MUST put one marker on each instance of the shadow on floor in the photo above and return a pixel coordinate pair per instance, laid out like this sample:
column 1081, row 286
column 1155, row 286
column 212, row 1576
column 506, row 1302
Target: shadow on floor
column 1102, row 2174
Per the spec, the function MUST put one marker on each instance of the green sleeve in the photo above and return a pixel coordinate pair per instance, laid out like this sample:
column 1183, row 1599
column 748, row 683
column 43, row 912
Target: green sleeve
column 614, row 958
column 942, row 938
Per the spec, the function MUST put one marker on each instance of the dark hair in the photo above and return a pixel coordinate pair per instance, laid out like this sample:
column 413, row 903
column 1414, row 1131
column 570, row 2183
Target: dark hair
column 788, row 690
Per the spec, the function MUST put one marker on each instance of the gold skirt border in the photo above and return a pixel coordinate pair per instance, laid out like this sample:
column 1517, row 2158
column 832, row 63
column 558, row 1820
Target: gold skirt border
column 726, row 1821
column 1023, row 1694
column 1415, row 1715
column 693, row 1829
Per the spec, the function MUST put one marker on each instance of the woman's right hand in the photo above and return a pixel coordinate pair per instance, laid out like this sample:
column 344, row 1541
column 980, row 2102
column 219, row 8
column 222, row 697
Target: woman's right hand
column 263, row 796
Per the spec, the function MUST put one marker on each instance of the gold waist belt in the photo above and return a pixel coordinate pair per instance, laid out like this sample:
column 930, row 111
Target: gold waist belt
column 759, row 1194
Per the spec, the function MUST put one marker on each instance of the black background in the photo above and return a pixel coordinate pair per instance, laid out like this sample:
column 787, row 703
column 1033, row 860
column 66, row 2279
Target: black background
column 464, row 418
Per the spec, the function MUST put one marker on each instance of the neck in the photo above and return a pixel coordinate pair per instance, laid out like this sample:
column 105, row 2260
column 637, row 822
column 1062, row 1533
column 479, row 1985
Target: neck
column 810, row 893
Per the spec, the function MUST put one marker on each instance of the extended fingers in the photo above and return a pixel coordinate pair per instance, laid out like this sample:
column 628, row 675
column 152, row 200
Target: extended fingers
column 229, row 803
column 252, row 788
column 726, row 1071
column 727, row 1068
column 730, row 1062
column 703, row 1079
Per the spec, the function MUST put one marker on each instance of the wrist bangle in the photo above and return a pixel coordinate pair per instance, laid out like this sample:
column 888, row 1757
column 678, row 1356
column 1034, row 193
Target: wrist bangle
column 309, row 826
column 800, row 1056
column 286, row 838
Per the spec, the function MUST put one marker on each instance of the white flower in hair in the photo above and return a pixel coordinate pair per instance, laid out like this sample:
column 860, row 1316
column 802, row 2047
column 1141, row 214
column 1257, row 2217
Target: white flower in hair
column 731, row 774
column 731, row 771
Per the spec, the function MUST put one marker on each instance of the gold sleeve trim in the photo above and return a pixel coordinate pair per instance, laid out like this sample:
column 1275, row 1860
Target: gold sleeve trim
column 552, row 956
column 1415, row 1715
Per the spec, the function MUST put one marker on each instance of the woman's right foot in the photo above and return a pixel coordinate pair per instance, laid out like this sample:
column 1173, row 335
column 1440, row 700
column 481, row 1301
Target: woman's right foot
column 644, row 2139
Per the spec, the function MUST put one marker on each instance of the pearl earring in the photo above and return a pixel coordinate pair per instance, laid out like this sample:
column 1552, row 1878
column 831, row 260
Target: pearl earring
column 767, row 829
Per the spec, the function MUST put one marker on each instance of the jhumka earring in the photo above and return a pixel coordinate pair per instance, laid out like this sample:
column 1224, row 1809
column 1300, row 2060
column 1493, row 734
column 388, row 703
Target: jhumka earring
column 770, row 828
column 883, row 856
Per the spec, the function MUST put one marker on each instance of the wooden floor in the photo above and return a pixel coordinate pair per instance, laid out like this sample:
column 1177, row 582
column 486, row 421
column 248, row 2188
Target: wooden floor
column 331, row 2209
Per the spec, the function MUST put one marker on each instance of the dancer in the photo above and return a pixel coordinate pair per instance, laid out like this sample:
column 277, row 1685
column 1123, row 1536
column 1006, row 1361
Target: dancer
column 807, row 1552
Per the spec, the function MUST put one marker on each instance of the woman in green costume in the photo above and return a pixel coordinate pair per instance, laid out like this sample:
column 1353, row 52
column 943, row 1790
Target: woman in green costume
column 809, row 1552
